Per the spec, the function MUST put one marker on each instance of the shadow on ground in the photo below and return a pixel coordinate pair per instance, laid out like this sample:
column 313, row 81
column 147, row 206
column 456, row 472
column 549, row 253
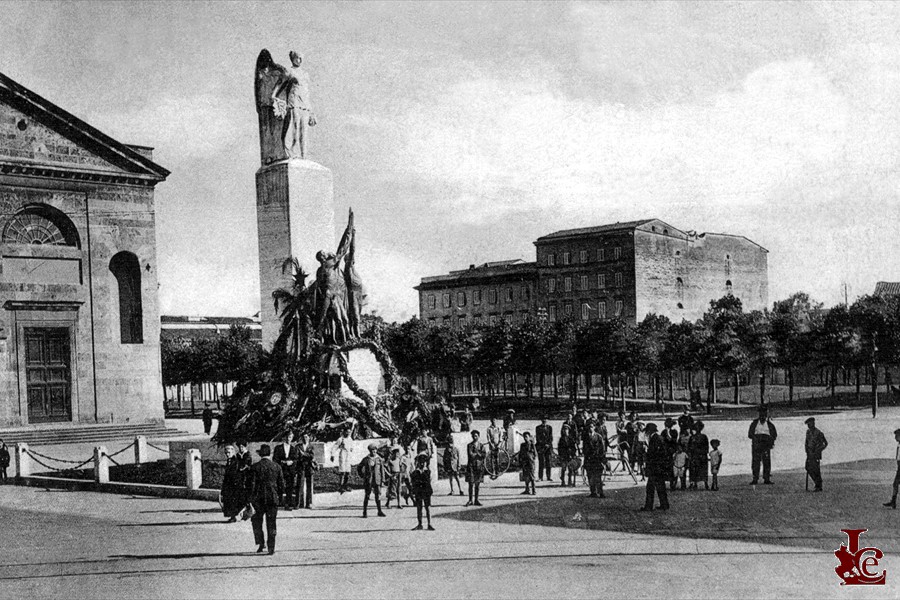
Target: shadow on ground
column 783, row 514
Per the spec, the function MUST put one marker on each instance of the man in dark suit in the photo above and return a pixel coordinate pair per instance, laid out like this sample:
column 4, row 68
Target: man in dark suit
column 659, row 465
column 543, row 434
column 371, row 471
column 762, row 434
column 287, row 457
column 815, row 444
column 267, row 485
column 306, row 465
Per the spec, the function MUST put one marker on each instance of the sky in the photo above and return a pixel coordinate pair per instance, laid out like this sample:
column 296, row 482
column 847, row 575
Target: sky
column 461, row 132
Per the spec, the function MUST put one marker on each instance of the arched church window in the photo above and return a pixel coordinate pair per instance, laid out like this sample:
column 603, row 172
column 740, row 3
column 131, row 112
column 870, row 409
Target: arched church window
column 127, row 271
column 41, row 225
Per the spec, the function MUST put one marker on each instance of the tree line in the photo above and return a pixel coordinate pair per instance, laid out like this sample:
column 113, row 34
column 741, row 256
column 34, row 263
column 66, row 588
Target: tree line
column 797, row 334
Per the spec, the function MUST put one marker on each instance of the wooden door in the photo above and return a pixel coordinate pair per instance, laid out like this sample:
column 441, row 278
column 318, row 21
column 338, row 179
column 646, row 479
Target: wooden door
column 48, row 374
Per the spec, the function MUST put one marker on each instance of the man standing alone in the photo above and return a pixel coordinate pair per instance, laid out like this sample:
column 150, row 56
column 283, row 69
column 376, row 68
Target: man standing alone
column 815, row 443
column 371, row 471
column 762, row 433
column 266, row 487
column 287, row 457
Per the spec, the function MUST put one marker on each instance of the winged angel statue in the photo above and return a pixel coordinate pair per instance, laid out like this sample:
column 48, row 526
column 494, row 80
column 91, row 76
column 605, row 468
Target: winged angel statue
column 284, row 108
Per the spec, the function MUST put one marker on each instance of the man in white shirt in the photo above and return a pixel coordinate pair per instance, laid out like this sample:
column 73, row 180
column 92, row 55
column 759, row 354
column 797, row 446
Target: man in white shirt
column 762, row 433
column 893, row 502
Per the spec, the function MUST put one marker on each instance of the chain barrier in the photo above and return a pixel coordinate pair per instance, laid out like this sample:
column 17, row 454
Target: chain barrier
column 120, row 451
column 45, row 457
column 57, row 470
column 155, row 447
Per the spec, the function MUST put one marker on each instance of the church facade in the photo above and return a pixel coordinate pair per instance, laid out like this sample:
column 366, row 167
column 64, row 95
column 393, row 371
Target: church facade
column 79, row 320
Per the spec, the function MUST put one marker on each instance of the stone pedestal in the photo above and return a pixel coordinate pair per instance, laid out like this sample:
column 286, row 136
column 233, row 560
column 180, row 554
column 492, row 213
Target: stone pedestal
column 193, row 469
column 23, row 461
column 101, row 465
column 140, row 450
column 295, row 217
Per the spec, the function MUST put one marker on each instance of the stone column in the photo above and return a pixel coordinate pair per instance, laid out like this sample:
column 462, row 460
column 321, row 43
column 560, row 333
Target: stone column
column 294, row 217
column 140, row 450
column 193, row 469
column 23, row 461
column 101, row 465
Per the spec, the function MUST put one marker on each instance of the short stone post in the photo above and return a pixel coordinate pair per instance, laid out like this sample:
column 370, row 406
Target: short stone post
column 101, row 465
column 23, row 461
column 193, row 469
column 140, row 450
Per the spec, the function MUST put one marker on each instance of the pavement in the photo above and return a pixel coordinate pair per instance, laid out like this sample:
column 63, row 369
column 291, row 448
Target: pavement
column 741, row 542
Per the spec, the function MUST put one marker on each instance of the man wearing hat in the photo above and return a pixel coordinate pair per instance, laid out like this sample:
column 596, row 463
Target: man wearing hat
column 762, row 434
column 543, row 435
column 669, row 438
column 659, row 468
column 371, row 471
column 815, row 443
column 266, row 487
column 509, row 426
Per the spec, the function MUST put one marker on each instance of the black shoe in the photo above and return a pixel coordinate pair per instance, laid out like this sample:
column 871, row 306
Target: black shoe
column 645, row 509
column 768, row 482
column 365, row 516
column 417, row 528
column 601, row 495
column 261, row 549
column 593, row 495
column 430, row 528
column 461, row 494
column 818, row 489
column 469, row 503
column 891, row 504
column 231, row 520
column 525, row 493
column 381, row 514
column 271, row 551
column 664, row 507
column 477, row 503
column 754, row 482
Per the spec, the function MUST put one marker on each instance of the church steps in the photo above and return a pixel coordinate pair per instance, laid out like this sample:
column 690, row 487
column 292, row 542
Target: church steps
column 86, row 433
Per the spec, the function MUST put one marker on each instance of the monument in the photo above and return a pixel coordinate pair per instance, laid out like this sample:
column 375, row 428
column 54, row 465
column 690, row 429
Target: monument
column 294, row 195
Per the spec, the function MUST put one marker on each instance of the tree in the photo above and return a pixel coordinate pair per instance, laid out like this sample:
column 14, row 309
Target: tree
column 791, row 322
column 720, row 345
column 406, row 343
column 528, row 350
column 754, row 334
column 652, row 333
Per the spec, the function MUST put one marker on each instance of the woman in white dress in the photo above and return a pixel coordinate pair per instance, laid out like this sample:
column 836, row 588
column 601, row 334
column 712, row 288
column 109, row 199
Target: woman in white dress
column 342, row 449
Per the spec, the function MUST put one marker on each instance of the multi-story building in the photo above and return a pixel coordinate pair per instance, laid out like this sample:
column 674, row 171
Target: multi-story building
column 622, row 270
column 479, row 294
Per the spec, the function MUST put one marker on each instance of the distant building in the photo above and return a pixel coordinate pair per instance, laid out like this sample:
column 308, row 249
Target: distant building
column 621, row 270
column 79, row 324
column 887, row 289
column 195, row 328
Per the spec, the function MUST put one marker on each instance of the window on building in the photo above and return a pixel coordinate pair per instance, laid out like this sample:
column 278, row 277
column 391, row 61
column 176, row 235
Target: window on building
column 551, row 285
column 568, row 309
column 618, row 280
column 460, row 298
column 619, row 306
column 432, row 301
column 43, row 225
column 617, row 253
column 679, row 282
column 678, row 253
column 478, row 319
column 728, row 287
column 601, row 254
column 494, row 319
column 525, row 293
column 476, row 297
column 583, row 256
column 446, row 321
column 601, row 281
column 585, row 311
column 509, row 294
column 551, row 312
column 445, row 301
column 567, row 284
column 584, row 282
column 601, row 309
column 462, row 322
column 432, row 320
column 665, row 232
column 127, row 271
column 492, row 296
column 523, row 316
column 567, row 258
column 551, row 260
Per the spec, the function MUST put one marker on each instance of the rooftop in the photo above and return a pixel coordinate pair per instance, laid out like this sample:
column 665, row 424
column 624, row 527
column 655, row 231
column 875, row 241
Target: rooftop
column 618, row 226
column 887, row 288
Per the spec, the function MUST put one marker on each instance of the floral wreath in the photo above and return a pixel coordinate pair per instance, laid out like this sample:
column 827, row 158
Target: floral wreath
column 389, row 371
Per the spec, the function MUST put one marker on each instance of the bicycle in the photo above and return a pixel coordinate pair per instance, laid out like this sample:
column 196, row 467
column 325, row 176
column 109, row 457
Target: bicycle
column 497, row 465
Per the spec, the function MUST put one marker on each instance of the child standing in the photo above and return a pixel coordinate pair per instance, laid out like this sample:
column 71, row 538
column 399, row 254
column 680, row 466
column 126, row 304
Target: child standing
column 451, row 466
column 420, row 482
column 715, row 460
column 681, row 458
column 394, row 476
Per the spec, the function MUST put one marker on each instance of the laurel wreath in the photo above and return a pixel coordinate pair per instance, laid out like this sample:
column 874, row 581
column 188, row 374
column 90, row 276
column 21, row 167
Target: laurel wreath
column 389, row 371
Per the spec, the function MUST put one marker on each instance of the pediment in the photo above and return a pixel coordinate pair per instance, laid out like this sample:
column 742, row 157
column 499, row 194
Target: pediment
column 37, row 134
